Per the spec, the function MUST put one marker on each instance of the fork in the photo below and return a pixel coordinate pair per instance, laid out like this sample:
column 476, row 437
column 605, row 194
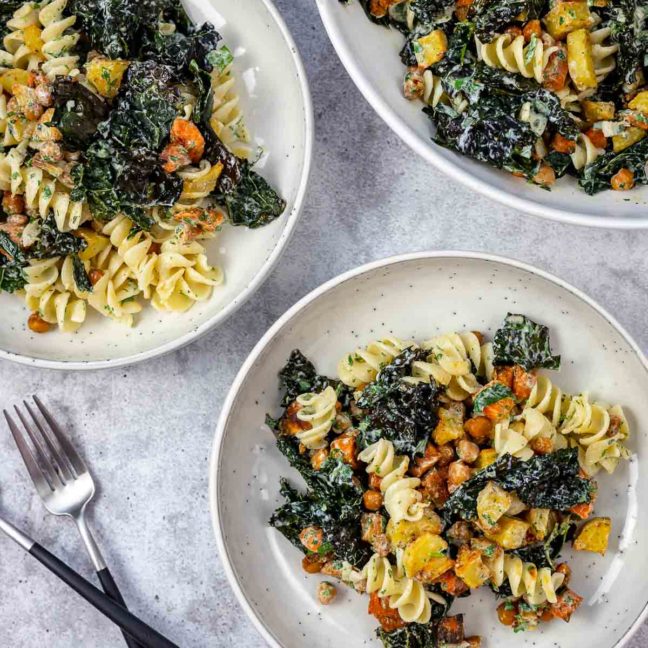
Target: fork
column 63, row 482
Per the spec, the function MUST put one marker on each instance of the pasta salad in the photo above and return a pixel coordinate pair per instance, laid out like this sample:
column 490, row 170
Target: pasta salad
column 123, row 148
column 437, row 468
column 539, row 88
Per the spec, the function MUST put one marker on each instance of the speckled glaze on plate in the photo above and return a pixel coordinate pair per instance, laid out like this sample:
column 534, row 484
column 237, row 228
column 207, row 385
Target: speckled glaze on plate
column 276, row 102
column 415, row 296
column 369, row 52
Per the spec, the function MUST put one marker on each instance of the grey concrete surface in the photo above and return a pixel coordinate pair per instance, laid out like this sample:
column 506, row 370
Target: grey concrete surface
column 147, row 430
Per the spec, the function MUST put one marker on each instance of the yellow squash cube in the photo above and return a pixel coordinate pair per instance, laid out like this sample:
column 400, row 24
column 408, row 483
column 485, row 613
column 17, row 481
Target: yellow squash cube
column 509, row 533
column 630, row 136
column 594, row 535
column 427, row 553
column 471, row 568
column 640, row 102
column 598, row 110
column 430, row 49
column 106, row 75
column 486, row 457
column 450, row 425
column 401, row 533
column 492, row 503
column 580, row 60
column 96, row 243
column 567, row 17
column 33, row 40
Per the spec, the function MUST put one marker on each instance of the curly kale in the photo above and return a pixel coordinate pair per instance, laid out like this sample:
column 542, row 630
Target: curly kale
column 428, row 11
column 492, row 16
column 629, row 29
column 550, row 481
column 596, row 176
column 252, row 202
column 52, row 242
column 299, row 376
column 12, row 262
column 332, row 502
column 403, row 413
column 81, row 278
column 521, row 341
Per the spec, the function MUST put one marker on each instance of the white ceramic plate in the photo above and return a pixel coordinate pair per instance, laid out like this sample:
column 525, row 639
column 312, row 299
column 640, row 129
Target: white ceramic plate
column 276, row 103
column 417, row 296
column 370, row 54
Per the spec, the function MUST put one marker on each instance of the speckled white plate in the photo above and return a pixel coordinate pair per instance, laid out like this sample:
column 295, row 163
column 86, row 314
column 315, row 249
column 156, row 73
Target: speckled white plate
column 276, row 102
column 370, row 54
column 416, row 296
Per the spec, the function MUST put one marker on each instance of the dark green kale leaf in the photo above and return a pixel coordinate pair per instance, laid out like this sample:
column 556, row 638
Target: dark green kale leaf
column 559, row 162
column 492, row 16
column 427, row 11
column 545, row 554
column 403, row 412
column 629, row 29
column 547, row 104
column 521, row 341
column 596, row 177
column 299, row 376
column 78, row 112
column 52, row 243
column 252, row 202
column 492, row 393
column 81, row 278
column 12, row 262
column 544, row 481
column 412, row 635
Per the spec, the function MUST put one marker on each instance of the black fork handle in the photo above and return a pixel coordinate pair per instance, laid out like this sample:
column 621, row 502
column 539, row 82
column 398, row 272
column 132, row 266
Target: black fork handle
column 128, row 622
column 110, row 587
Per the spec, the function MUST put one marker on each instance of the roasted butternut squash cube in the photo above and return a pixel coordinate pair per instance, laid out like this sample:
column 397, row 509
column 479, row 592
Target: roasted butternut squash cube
column 580, row 60
column 492, row 503
column 594, row 535
column 470, row 567
column 403, row 532
column 428, row 552
column 486, row 457
column 95, row 243
column 630, row 136
column 106, row 75
column 14, row 76
column 598, row 110
column 566, row 17
column 640, row 102
column 430, row 49
column 509, row 533
column 450, row 425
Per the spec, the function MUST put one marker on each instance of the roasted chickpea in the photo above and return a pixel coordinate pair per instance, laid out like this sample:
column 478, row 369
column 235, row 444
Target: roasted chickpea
column 372, row 500
column 326, row 592
column 467, row 451
column 37, row 324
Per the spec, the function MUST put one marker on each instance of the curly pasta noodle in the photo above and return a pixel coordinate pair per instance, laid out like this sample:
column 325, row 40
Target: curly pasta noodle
column 185, row 276
column 516, row 438
column 227, row 118
column 401, row 500
column 16, row 53
column 589, row 426
column 546, row 398
column 45, row 295
column 453, row 359
column 513, row 55
column 362, row 366
column 58, row 41
column 319, row 411
column 585, row 152
column 536, row 586
column 403, row 594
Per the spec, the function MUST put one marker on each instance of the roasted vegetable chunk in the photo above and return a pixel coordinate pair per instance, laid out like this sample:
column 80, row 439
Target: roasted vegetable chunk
column 594, row 535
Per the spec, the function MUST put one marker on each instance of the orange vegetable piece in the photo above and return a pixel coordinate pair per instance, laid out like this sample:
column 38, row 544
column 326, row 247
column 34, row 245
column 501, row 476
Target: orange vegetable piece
column 186, row 133
column 622, row 180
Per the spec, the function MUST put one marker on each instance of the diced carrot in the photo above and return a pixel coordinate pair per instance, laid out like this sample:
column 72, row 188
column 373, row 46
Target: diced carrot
column 388, row 618
column 583, row 510
column 622, row 180
column 479, row 428
column 186, row 133
column 499, row 410
column 562, row 144
column 556, row 70
column 504, row 375
column 596, row 137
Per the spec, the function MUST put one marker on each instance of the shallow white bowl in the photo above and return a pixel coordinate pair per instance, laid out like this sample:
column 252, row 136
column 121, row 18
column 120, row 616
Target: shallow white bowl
column 370, row 54
column 276, row 102
column 416, row 296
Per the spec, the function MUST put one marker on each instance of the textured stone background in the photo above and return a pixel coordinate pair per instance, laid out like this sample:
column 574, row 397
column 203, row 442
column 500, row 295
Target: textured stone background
column 147, row 430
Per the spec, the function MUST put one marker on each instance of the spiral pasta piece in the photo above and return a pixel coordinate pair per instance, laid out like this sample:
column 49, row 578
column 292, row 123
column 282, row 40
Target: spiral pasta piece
column 401, row 499
column 406, row 595
column 603, row 54
column 547, row 399
column 227, row 117
column 319, row 411
column 362, row 366
column 58, row 41
column 16, row 52
column 517, row 437
column 513, row 55
column 536, row 586
column 585, row 152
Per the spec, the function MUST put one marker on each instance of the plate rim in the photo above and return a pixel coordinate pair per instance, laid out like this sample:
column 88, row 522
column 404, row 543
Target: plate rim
column 428, row 152
column 293, row 311
column 263, row 273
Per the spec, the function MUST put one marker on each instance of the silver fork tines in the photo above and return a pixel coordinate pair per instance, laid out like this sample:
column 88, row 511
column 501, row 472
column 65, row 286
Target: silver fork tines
column 58, row 472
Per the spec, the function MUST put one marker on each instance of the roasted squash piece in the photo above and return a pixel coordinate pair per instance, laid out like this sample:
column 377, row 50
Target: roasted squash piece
column 427, row 553
column 450, row 425
column 492, row 503
column 430, row 49
column 640, row 102
column 594, row 535
column 629, row 137
column 403, row 532
column 470, row 567
column 106, row 75
column 580, row 59
column 509, row 533
column 566, row 17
